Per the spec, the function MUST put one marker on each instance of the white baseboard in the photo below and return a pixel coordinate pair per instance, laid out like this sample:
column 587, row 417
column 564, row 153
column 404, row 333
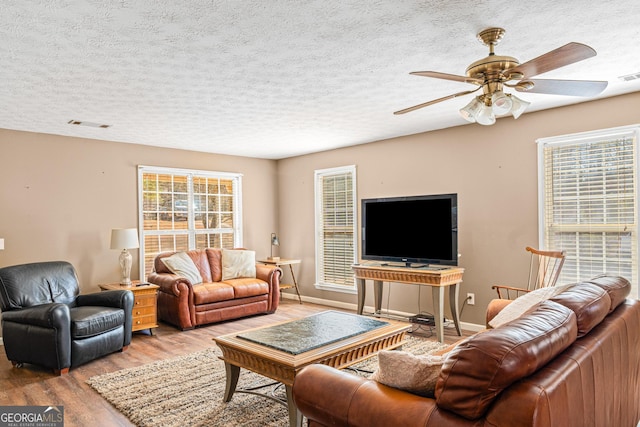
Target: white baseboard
column 348, row 306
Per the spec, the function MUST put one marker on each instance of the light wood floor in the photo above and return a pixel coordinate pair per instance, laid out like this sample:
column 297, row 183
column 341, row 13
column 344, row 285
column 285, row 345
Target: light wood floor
column 31, row 385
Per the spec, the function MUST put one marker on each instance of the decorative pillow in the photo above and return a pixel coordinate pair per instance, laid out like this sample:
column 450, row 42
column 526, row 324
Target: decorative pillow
column 408, row 372
column 523, row 303
column 238, row 263
column 181, row 264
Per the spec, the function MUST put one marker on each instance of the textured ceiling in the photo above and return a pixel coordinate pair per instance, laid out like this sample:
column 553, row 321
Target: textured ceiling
column 279, row 78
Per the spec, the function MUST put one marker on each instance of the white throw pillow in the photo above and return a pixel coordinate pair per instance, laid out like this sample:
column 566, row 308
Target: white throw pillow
column 181, row 264
column 238, row 263
column 523, row 303
column 405, row 371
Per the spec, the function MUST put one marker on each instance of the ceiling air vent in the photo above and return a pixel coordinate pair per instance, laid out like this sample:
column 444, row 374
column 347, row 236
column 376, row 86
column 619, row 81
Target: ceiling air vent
column 90, row 124
column 630, row 77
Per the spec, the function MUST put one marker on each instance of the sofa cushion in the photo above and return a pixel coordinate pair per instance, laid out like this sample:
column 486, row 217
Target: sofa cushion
column 244, row 287
column 238, row 263
column 212, row 292
column 416, row 374
column 589, row 302
column 482, row 366
column 88, row 321
column 617, row 287
column 181, row 264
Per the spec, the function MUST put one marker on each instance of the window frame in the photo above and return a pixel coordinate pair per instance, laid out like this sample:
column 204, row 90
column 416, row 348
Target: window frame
column 321, row 283
column 191, row 231
column 592, row 137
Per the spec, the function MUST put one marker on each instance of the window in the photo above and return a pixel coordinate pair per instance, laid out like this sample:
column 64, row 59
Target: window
column 335, row 228
column 185, row 209
column 588, row 198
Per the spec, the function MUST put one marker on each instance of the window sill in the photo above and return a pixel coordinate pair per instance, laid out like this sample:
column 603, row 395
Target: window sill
column 336, row 288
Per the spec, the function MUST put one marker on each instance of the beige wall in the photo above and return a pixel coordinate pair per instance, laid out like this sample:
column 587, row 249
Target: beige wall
column 494, row 171
column 61, row 196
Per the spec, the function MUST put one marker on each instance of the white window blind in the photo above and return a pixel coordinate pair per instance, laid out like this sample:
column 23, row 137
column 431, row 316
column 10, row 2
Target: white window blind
column 589, row 195
column 335, row 228
column 186, row 209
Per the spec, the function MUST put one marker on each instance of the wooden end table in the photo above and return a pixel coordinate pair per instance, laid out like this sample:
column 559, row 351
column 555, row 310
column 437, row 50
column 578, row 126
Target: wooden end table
column 145, row 303
column 285, row 261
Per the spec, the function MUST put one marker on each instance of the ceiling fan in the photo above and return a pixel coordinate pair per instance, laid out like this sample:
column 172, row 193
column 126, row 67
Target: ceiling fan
column 495, row 72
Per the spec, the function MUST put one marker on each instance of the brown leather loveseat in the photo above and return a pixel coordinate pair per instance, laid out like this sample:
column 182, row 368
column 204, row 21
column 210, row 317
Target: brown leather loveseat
column 186, row 305
column 572, row 360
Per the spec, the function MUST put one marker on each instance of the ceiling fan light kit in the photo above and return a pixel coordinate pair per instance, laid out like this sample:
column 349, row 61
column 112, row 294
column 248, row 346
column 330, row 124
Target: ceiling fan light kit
column 495, row 72
column 484, row 111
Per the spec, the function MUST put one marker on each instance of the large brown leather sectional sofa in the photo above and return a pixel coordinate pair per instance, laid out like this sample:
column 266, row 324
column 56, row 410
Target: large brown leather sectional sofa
column 186, row 306
column 573, row 360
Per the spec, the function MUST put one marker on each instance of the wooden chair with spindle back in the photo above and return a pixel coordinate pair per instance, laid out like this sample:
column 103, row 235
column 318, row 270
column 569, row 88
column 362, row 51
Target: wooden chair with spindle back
column 544, row 269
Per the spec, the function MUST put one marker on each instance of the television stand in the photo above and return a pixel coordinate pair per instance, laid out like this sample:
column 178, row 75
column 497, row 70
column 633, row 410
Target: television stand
column 450, row 277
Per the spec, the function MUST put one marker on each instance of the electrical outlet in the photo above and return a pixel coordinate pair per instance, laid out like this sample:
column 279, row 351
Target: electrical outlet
column 471, row 299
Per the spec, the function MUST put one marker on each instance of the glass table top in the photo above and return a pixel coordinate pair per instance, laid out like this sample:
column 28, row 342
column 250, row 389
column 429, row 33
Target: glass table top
column 308, row 333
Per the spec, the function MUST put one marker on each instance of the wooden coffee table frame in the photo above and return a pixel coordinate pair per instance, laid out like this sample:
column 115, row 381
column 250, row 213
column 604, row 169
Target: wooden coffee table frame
column 281, row 366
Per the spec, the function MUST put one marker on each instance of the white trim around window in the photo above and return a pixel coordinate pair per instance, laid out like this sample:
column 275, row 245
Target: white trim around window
column 588, row 202
column 335, row 228
column 185, row 209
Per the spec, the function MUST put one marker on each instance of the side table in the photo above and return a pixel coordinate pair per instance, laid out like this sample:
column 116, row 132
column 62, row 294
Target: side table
column 145, row 306
column 290, row 262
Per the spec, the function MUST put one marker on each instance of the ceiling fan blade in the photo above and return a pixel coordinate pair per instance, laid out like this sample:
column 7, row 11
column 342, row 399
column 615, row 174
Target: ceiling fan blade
column 563, row 87
column 435, row 101
column 565, row 55
column 445, row 76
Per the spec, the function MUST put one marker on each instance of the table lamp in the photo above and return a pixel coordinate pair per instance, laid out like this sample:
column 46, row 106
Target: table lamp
column 125, row 238
column 274, row 242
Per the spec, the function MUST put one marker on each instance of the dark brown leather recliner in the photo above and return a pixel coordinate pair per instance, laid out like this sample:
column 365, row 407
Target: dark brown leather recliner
column 46, row 322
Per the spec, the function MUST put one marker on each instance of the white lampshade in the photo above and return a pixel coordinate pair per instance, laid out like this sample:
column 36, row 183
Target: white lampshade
column 1, row 244
column 124, row 238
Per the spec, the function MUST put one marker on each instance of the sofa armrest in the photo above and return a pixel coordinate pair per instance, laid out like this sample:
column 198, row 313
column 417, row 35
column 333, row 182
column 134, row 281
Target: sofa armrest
column 495, row 306
column 332, row 397
column 54, row 316
column 270, row 274
column 170, row 283
column 117, row 299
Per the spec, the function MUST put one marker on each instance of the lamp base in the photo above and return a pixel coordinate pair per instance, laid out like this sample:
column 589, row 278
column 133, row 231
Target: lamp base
column 273, row 258
column 125, row 268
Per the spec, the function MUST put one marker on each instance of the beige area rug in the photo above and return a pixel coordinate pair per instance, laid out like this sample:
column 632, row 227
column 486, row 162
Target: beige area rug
column 188, row 390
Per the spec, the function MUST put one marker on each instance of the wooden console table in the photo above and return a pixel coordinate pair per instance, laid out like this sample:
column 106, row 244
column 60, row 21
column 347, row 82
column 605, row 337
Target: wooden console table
column 437, row 278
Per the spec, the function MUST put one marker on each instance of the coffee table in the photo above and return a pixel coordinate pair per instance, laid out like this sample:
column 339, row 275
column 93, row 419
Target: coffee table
column 281, row 350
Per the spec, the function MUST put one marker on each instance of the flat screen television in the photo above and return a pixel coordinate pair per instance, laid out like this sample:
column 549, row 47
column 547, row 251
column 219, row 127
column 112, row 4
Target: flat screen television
column 415, row 229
